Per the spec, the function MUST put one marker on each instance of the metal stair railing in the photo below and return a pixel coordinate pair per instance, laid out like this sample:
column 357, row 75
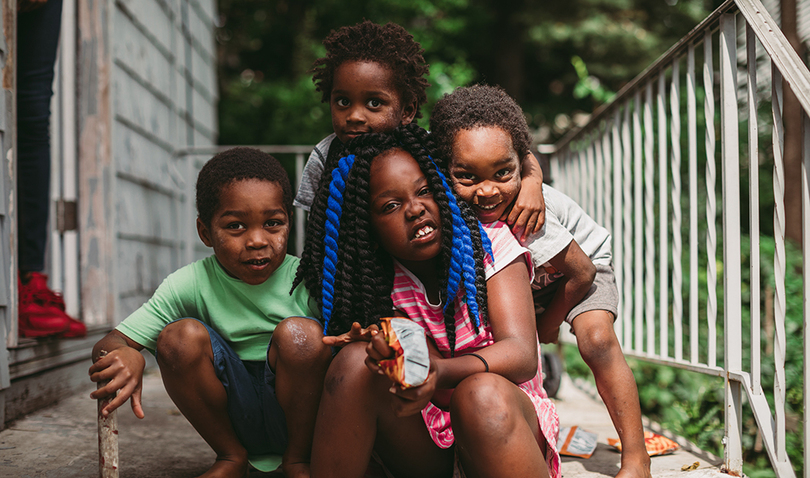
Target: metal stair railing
column 625, row 168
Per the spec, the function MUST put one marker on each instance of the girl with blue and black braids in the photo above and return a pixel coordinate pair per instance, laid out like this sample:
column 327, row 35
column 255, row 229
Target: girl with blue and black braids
column 396, row 242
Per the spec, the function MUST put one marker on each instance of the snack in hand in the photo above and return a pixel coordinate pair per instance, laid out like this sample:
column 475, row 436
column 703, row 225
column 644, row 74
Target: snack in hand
column 411, row 362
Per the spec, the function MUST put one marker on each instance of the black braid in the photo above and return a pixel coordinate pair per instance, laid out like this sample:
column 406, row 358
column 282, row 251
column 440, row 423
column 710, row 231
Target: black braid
column 364, row 274
column 480, row 277
column 413, row 140
column 315, row 222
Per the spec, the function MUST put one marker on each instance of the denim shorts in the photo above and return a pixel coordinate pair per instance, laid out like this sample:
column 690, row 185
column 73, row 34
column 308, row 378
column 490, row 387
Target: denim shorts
column 256, row 416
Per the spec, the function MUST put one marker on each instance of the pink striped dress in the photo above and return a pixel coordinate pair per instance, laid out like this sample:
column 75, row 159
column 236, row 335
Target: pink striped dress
column 409, row 297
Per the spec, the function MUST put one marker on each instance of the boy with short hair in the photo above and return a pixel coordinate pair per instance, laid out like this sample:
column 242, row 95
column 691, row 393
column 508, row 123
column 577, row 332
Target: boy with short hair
column 209, row 325
column 373, row 77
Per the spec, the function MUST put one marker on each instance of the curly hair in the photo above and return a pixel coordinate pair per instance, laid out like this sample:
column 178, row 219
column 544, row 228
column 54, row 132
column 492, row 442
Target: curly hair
column 476, row 106
column 389, row 45
column 352, row 280
column 237, row 164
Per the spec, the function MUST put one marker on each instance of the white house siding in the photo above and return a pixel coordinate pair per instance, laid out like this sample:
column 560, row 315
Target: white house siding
column 164, row 99
column 8, row 267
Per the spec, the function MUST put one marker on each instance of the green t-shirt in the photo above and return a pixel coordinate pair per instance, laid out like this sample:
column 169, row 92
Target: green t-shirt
column 244, row 315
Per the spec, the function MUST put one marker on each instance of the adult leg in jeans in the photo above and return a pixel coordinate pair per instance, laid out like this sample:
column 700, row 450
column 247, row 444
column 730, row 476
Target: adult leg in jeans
column 37, row 40
column 41, row 310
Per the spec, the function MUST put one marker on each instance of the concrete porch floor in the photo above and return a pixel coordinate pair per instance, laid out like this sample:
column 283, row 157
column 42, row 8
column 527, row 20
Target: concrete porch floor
column 61, row 441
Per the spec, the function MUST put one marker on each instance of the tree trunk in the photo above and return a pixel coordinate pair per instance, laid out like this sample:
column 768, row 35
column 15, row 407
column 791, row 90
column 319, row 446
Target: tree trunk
column 792, row 118
column 509, row 62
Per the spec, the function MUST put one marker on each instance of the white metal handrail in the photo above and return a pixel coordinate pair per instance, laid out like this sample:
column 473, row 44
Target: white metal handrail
column 609, row 167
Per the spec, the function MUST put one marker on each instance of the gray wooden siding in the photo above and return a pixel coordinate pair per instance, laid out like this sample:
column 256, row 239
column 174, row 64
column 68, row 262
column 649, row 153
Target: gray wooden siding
column 8, row 268
column 164, row 99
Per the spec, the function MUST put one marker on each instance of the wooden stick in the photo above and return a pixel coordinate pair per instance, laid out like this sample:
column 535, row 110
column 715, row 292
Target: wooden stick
column 107, row 436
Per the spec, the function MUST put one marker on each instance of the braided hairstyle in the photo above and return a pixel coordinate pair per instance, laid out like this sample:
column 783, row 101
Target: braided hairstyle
column 478, row 106
column 348, row 276
column 389, row 45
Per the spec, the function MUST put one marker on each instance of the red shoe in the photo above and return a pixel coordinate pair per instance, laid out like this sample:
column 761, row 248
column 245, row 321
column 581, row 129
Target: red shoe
column 75, row 329
column 40, row 314
column 38, row 286
column 36, row 320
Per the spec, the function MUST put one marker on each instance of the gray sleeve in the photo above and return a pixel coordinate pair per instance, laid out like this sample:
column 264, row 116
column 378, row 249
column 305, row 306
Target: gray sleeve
column 311, row 175
column 550, row 240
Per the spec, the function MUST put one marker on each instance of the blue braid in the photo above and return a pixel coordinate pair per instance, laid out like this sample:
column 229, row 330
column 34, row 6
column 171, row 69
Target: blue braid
column 469, row 275
column 462, row 261
column 455, row 272
column 332, row 229
column 485, row 242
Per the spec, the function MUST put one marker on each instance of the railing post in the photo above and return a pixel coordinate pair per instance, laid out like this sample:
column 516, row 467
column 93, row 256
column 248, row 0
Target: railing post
column 711, row 200
column 677, row 245
column 663, row 220
column 607, row 178
column 649, row 220
column 691, row 122
column 806, row 283
column 299, row 218
column 732, row 273
column 753, row 193
column 595, row 164
column 779, row 262
column 638, row 229
column 627, row 233
column 618, row 245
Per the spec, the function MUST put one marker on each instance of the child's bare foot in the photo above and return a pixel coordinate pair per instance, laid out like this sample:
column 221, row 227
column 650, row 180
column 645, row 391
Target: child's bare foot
column 635, row 469
column 227, row 468
column 295, row 470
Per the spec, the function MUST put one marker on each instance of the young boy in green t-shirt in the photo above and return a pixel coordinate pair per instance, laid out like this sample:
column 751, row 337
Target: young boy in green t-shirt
column 209, row 325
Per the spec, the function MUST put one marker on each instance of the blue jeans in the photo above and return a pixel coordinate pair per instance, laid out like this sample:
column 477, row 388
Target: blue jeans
column 37, row 40
column 256, row 416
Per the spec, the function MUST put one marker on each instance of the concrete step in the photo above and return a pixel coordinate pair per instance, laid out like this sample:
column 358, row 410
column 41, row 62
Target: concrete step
column 61, row 441
column 579, row 404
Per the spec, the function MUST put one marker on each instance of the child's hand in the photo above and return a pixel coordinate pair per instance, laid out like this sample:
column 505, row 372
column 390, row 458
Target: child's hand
column 376, row 350
column 410, row 401
column 527, row 214
column 548, row 335
column 123, row 367
column 356, row 334
column 406, row 401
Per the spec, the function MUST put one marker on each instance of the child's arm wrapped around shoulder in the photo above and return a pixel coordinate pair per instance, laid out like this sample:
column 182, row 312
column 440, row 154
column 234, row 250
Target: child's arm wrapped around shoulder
column 527, row 214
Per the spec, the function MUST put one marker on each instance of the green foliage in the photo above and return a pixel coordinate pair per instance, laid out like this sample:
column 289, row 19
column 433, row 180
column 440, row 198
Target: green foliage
column 691, row 404
column 284, row 112
column 524, row 46
column 589, row 85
